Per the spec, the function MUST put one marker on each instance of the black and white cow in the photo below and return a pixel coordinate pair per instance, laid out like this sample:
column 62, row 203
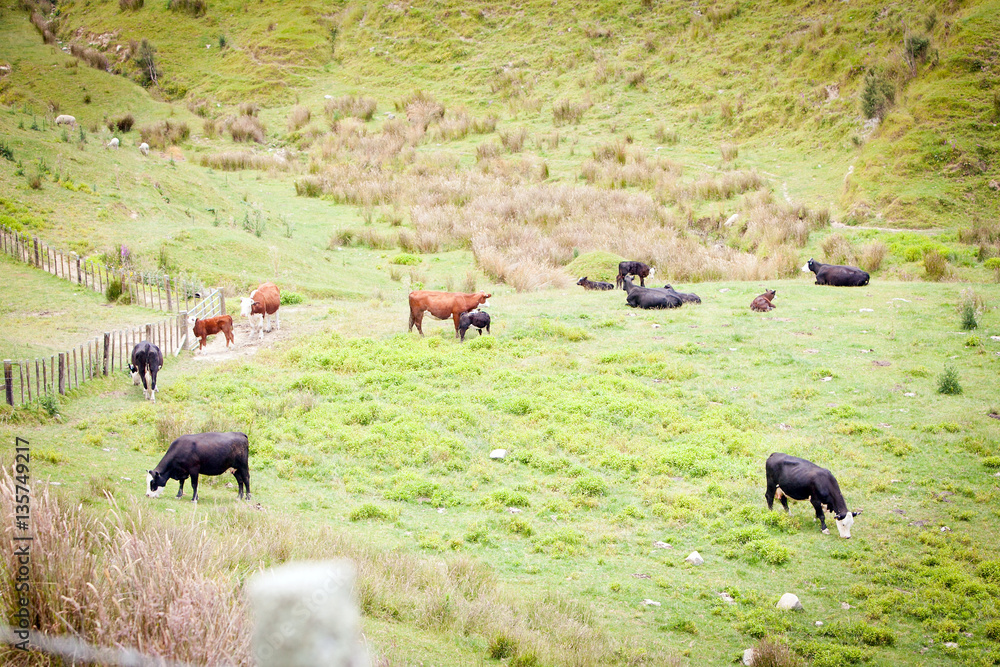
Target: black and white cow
column 146, row 357
column 836, row 275
column 476, row 319
column 648, row 297
column 798, row 479
column 202, row 454
column 639, row 269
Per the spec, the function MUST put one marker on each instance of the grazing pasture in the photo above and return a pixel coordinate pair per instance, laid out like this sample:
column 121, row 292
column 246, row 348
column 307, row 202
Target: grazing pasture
column 624, row 429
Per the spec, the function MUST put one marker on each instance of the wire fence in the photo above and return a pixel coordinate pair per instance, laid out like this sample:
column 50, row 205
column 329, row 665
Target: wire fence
column 150, row 290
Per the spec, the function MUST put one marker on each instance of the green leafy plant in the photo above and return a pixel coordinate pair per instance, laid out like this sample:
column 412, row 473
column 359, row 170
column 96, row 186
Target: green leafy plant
column 948, row 382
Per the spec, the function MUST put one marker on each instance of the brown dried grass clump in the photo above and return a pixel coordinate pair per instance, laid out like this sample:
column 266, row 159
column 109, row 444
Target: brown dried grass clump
column 351, row 106
column 566, row 112
column 247, row 128
column 239, row 160
column 89, row 55
column 299, row 116
column 872, row 255
column 164, row 133
column 122, row 123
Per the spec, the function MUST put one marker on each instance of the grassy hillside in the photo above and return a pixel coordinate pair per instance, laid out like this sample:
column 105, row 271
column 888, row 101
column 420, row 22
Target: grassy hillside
column 352, row 152
column 623, row 429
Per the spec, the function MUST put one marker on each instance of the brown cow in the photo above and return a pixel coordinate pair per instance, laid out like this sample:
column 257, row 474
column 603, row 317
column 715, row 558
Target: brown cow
column 443, row 305
column 260, row 305
column 213, row 325
column 762, row 303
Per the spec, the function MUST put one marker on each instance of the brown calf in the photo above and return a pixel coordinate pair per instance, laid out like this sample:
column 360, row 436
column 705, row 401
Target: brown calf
column 762, row 303
column 213, row 325
column 442, row 305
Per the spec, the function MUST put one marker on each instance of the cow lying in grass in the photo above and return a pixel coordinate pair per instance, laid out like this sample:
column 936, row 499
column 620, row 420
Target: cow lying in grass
column 593, row 284
column 648, row 297
column 836, row 275
column 763, row 303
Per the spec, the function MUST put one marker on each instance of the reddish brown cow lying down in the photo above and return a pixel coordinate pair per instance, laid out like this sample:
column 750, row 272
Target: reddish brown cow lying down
column 443, row 305
column 213, row 325
column 763, row 303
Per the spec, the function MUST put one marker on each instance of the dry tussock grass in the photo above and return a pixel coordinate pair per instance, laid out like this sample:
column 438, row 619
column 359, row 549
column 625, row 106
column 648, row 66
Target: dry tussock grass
column 351, row 106
column 766, row 224
column 164, row 133
column 238, row 160
column 620, row 165
column 298, row 116
column 89, row 55
column 246, row 127
column 171, row 589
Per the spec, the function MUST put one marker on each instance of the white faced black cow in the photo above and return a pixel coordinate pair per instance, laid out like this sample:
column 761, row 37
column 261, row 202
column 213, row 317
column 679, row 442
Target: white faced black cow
column 836, row 275
column 202, row 454
column 146, row 356
column 798, row 479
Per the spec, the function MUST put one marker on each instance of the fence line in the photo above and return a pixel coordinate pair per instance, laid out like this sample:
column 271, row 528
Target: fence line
column 171, row 295
column 76, row 650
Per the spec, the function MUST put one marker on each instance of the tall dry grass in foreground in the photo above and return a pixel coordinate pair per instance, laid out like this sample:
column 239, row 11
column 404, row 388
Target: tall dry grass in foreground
column 172, row 588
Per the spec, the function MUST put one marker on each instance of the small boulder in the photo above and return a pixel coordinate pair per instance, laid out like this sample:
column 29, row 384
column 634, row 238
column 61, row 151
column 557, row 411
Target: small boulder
column 651, row 603
column 726, row 597
column 748, row 657
column 695, row 559
column 498, row 453
column 662, row 545
column 789, row 602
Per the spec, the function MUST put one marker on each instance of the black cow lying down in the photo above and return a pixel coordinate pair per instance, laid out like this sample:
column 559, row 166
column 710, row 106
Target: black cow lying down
column 648, row 297
column 836, row 275
column 475, row 319
column 202, row 454
column 585, row 283
column 798, row 479
column 686, row 297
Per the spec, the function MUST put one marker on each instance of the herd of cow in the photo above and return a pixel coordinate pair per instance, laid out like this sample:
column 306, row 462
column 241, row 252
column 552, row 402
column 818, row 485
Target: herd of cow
column 219, row 453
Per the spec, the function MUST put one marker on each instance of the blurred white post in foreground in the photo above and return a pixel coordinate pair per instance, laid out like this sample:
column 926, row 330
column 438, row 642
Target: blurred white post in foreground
column 305, row 615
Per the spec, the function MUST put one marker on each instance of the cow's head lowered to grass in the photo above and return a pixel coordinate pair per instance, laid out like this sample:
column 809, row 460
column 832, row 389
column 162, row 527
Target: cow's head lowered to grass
column 844, row 523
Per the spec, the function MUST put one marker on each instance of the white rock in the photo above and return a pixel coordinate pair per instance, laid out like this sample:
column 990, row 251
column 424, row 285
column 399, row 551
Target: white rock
column 514, row 510
column 789, row 601
column 866, row 310
column 994, row 337
column 844, row 605
column 656, row 326
column 748, row 657
column 723, row 290
column 726, row 597
column 733, row 218
column 694, row 558
column 950, row 645
column 498, row 453
column 651, row 603
column 662, row 545
column 910, row 393
column 819, row 624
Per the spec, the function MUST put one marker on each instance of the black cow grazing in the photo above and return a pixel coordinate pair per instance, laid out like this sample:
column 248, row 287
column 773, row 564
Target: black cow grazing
column 764, row 302
column 798, row 479
column 146, row 356
column 648, row 297
column 639, row 269
column 476, row 319
column 594, row 284
column 202, row 454
column 683, row 296
column 836, row 275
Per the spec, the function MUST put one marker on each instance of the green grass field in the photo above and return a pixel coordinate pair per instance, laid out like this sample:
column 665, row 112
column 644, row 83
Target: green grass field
column 466, row 146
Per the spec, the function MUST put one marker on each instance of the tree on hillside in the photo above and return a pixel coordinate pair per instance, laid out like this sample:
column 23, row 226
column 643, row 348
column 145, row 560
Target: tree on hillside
column 145, row 58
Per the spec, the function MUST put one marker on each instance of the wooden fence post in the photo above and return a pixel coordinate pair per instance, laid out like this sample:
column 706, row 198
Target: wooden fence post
column 222, row 302
column 62, row 373
column 8, row 381
column 20, row 372
column 79, row 276
column 182, row 331
column 107, row 350
column 37, row 257
column 166, row 285
column 149, row 331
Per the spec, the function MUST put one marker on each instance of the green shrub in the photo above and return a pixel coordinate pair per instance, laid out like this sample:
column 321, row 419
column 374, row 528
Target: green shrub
column 877, row 94
column 935, row 264
column 405, row 259
column 502, row 645
column 372, row 511
column 113, row 291
column 990, row 571
column 50, row 404
column 992, row 631
column 948, row 382
column 6, row 152
column 506, row 498
column 993, row 264
column 291, row 298
column 590, row 486
column 969, row 317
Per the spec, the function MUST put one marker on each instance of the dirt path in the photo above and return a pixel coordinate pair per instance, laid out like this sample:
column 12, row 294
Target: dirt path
column 245, row 345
